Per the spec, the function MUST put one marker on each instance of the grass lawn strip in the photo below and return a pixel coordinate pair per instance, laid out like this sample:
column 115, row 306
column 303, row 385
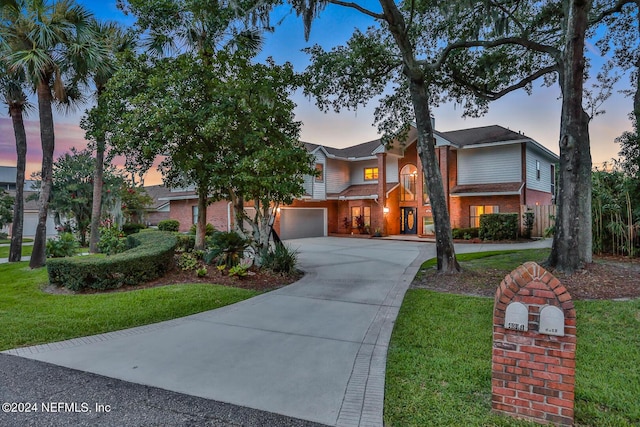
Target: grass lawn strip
column 439, row 359
column 8, row 241
column 29, row 316
column 26, row 251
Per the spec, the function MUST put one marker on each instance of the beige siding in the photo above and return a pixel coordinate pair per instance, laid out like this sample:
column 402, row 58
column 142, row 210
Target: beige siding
column 357, row 171
column 490, row 165
column 392, row 169
column 544, row 183
column 336, row 175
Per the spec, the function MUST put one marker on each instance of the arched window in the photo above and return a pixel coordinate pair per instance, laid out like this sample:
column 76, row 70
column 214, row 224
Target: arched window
column 408, row 183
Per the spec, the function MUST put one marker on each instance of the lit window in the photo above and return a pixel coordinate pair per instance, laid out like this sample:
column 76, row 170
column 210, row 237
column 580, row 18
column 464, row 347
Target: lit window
column 408, row 183
column 370, row 174
column 319, row 172
column 476, row 211
column 355, row 216
column 366, row 214
column 537, row 170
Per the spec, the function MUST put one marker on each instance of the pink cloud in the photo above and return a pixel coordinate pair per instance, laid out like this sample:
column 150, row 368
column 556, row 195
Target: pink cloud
column 68, row 135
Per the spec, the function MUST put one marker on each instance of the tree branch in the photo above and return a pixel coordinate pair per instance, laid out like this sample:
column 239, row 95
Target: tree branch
column 615, row 9
column 357, row 7
column 520, row 41
column 492, row 96
column 509, row 14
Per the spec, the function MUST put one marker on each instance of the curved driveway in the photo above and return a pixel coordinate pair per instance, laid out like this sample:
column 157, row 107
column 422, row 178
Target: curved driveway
column 314, row 350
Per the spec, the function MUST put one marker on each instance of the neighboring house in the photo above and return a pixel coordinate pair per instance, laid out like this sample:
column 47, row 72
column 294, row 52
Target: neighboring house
column 8, row 182
column 487, row 169
column 159, row 210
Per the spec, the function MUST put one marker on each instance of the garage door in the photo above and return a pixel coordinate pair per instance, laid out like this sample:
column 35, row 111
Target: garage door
column 296, row 223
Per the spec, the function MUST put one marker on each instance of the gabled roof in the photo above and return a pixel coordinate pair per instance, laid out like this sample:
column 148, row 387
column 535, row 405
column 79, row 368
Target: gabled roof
column 158, row 193
column 482, row 135
column 365, row 149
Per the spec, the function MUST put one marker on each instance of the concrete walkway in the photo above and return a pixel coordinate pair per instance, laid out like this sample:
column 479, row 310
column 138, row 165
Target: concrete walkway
column 315, row 350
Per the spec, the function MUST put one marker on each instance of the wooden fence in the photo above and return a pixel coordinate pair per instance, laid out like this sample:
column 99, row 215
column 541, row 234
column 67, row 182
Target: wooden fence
column 544, row 217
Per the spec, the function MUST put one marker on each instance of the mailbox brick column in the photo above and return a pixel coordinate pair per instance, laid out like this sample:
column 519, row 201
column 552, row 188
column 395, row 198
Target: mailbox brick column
column 533, row 367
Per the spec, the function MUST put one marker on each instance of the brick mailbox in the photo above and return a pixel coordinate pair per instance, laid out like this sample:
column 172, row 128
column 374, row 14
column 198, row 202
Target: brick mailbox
column 534, row 344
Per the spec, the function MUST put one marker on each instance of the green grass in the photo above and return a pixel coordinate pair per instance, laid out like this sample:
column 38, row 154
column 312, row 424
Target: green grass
column 30, row 316
column 439, row 361
column 501, row 260
column 26, row 251
column 24, row 240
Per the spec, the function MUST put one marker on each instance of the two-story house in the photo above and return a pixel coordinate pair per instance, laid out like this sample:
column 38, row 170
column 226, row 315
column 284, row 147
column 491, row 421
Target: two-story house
column 371, row 187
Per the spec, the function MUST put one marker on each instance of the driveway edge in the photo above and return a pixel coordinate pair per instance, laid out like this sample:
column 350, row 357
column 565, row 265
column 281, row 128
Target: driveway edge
column 363, row 402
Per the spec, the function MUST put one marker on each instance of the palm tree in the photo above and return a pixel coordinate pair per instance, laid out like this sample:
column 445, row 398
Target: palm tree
column 11, row 88
column 114, row 40
column 51, row 42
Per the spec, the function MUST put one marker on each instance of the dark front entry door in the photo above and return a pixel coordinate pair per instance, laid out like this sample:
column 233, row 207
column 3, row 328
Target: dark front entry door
column 408, row 221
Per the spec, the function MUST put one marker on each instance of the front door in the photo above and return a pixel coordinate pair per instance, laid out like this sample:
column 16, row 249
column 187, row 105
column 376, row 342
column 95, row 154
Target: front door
column 408, row 221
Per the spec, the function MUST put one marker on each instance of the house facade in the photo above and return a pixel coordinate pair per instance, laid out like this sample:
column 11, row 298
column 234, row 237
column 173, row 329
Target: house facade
column 371, row 187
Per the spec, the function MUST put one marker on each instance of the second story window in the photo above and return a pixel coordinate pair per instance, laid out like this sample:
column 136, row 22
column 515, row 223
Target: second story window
column 408, row 183
column 553, row 181
column 319, row 172
column 370, row 174
column 538, row 170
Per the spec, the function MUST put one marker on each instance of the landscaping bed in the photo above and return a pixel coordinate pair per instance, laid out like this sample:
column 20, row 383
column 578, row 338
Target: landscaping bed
column 608, row 277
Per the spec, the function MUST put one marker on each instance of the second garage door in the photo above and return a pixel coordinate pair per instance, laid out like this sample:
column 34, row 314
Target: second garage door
column 296, row 223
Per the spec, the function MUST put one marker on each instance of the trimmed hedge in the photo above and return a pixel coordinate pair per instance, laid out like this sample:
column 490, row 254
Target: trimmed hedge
column 465, row 233
column 499, row 226
column 132, row 227
column 149, row 258
column 169, row 225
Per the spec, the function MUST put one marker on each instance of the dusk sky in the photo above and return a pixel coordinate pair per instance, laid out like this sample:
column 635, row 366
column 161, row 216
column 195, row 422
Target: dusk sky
column 537, row 116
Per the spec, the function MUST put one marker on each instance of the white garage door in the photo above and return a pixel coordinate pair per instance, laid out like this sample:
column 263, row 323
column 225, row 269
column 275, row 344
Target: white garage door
column 296, row 223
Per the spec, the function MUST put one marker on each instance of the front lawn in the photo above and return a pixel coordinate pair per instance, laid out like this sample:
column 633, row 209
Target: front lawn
column 24, row 240
column 26, row 251
column 439, row 361
column 30, row 316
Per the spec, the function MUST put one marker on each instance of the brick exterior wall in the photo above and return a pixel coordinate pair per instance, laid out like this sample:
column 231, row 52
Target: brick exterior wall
column 460, row 214
column 534, row 197
column 182, row 210
column 533, row 374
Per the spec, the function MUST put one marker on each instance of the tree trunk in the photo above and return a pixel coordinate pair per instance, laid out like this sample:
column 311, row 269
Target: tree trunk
column 96, row 206
column 418, row 89
column 573, row 241
column 201, row 225
column 445, row 250
column 15, row 251
column 47, row 140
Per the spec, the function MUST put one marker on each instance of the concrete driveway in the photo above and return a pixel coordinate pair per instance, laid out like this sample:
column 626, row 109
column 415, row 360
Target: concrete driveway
column 315, row 350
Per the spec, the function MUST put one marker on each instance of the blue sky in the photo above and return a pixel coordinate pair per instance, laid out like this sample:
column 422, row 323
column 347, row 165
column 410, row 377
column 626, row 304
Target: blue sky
column 537, row 116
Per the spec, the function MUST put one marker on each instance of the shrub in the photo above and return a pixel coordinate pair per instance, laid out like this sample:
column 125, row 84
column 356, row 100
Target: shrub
column 499, row 226
column 169, row 225
column 111, row 241
column 201, row 272
column 149, row 259
column 281, row 259
column 187, row 261
column 3, row 235
column 227, row 248
column 238, row 270
column 528, row 220
column 186, row 242
column 131, row 228
column 62, row 246
column 465, row 233
column 210, row 229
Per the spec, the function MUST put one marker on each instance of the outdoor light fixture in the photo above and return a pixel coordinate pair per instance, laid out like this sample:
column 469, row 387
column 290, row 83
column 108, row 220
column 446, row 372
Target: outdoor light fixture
column 385, row 210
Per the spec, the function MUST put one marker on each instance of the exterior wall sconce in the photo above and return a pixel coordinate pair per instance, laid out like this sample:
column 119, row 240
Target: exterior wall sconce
column 277, row 210
column 385, row 210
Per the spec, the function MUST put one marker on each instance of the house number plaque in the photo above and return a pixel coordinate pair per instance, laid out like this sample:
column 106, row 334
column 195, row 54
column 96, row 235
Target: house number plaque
column 516, row 317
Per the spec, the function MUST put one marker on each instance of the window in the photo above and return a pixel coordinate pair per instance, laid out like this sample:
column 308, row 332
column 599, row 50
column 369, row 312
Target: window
column 553, row 181
column 194, row 214
column 425, row 193
column 319, row 172
column 408, row 181
column 366, row 214
column 476, row 211
column 355, row 214
column 538, row 170
column 370, row 174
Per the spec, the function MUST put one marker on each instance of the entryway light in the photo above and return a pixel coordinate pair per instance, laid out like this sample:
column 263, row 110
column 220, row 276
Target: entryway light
column 385, row 210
